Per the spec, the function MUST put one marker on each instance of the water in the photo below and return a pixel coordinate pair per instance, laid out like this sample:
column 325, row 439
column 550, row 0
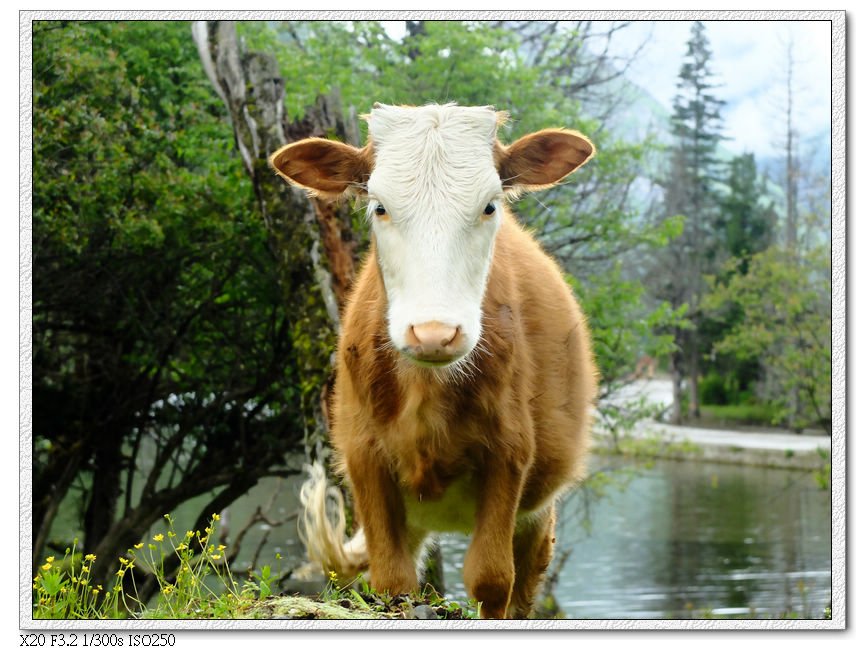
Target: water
column 676, row 540
column 690, row 540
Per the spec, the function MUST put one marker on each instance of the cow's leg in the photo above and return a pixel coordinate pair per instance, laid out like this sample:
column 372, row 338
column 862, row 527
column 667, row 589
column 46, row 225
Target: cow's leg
column 392, row 547
column 489, row 565
column 533, row 550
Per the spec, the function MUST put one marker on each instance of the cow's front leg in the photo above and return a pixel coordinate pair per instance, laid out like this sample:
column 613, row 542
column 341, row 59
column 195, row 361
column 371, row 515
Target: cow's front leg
column 378, row 502
column 489, row 565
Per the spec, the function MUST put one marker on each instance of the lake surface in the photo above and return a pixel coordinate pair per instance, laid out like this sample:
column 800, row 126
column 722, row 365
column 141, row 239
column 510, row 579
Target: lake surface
column 674, row 540
column 689, row 540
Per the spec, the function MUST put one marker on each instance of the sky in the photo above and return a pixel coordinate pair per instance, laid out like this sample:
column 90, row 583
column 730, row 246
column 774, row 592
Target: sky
column 748, row 59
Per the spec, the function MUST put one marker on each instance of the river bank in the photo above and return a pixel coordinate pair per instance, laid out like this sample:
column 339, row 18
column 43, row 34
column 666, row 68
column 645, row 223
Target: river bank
column 772, row 448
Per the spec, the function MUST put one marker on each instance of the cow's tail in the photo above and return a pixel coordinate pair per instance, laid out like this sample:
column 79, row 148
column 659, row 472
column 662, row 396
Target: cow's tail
column 322, row 529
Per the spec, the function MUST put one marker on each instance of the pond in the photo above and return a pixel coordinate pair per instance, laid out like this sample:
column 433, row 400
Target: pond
column 684, row 539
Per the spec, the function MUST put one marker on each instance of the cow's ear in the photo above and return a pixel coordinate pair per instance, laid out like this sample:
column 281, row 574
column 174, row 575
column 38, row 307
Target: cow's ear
column 324, row 167
column 541, row 159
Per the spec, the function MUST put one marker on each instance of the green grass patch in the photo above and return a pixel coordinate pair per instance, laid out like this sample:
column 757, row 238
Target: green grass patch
column 753, row 414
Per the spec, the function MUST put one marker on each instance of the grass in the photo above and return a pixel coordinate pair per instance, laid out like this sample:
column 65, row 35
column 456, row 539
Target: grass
column 652, row 446
column 743, row 414
column 203, row 587
column 63, row 590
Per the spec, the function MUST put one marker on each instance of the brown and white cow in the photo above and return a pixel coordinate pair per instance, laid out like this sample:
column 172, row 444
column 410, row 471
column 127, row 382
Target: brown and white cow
column 464, row 374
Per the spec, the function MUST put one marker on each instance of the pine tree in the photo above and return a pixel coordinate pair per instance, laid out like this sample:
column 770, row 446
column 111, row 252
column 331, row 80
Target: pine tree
column 691, row 190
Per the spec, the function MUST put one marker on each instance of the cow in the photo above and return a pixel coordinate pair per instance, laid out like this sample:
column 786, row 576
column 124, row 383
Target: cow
column 465, row 378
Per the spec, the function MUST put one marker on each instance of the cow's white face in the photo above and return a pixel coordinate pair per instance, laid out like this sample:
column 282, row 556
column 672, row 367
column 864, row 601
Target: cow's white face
column 435, row 202
column 435, row 177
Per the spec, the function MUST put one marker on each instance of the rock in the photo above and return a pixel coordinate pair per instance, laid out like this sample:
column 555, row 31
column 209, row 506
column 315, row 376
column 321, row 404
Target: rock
column 423, row 612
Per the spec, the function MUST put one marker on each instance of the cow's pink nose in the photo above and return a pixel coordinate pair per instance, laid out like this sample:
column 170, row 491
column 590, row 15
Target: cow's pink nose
column 434, row 341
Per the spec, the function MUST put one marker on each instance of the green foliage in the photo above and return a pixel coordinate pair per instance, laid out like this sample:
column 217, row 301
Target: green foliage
column 823, row 476
column 619, row 322
column 157, row 308
column 786, row 325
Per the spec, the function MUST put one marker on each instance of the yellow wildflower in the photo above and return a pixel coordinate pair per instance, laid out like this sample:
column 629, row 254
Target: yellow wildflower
column 158, row 538
column 221, row 547
column 215, row 517
column 182, row 547
column 90, row 557
column 332, row 575
column 139, row 545
column 215, row 556
column 46, row 567
column 49, row 559
column 167, row 589
column 123, row 561
column 189, row 534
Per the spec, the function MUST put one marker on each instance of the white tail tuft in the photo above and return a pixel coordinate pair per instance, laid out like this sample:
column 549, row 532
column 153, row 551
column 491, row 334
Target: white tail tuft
column 321, row 526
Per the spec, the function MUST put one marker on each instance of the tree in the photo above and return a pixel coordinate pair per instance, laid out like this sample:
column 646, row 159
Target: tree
column 691, row 189
column 159, row 326
column 746, row 226
column 785, row 325
column 748, row 219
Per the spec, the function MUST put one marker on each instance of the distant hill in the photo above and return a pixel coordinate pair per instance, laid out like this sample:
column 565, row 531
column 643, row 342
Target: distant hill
column 640, row 116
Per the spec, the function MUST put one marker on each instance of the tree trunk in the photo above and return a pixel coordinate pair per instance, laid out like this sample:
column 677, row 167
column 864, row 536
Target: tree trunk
column 254, row 94
column 693, row 377
column 677, row 373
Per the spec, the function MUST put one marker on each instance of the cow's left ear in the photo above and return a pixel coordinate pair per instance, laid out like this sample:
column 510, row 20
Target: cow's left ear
column 541, row 159
column 325, row 167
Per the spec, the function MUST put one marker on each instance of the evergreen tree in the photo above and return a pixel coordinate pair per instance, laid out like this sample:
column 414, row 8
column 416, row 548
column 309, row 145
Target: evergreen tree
column 747, row 222
column 691, row 190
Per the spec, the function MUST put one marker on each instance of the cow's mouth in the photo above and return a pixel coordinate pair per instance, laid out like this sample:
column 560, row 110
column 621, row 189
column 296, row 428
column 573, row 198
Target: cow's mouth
column 430, row 360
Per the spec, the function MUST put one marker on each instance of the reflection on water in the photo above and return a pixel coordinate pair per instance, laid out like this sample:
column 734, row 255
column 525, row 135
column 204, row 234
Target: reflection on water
column 678, row 540
column 688, row 539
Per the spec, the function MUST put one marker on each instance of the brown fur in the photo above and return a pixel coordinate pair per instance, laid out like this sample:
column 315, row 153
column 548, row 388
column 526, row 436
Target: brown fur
column 516, row 430
column 520, row 424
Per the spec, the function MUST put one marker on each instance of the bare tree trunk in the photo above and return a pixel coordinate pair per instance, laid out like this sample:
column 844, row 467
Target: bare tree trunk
column 254, row 93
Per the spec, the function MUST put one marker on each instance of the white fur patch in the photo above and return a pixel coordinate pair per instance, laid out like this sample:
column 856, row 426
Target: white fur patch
column 434, row 174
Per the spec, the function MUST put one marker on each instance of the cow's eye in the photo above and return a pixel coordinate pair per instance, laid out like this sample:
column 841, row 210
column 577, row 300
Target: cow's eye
column 489, row 209
column 379, row 210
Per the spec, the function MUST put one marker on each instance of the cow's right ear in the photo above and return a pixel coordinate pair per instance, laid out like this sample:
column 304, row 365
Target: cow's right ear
column 325, row 167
